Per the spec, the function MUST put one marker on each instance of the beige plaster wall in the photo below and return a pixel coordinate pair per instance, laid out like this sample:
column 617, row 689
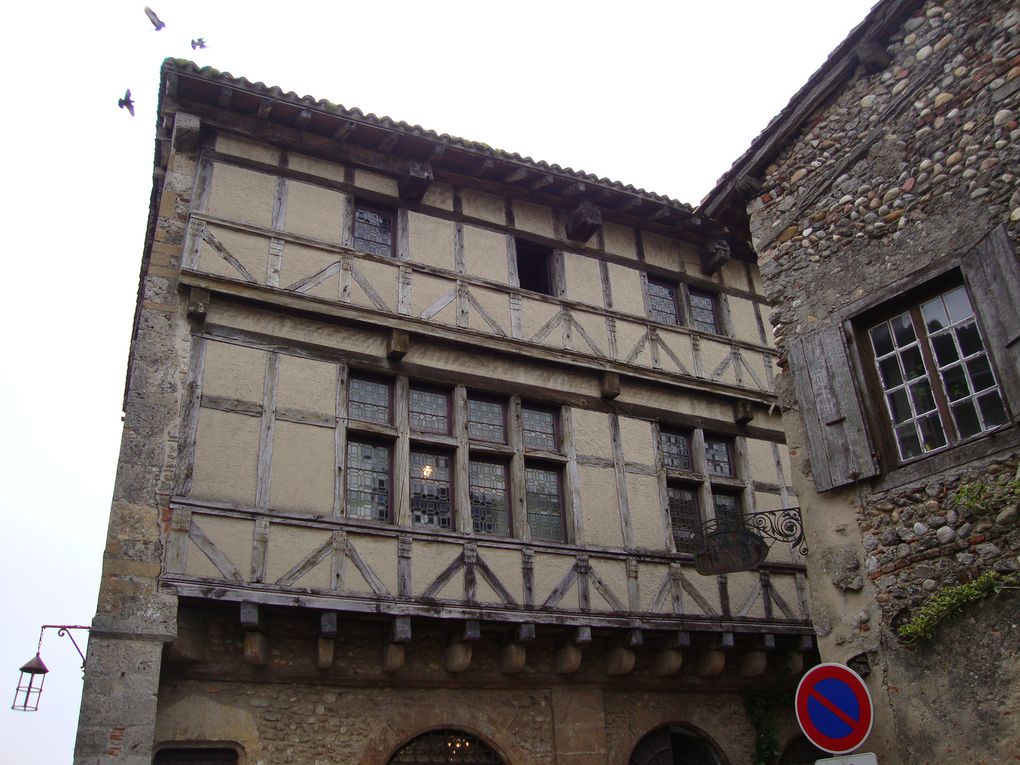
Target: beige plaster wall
column 428, row 559
column 303, row 164
column 288, row 546
column 226, row 457
column 234, row 371
column 647, row 522
column 303, row 468
column 314, row 211
column 430, row 240
column 625, row 284
column 485, row 254
column 619, row 240
column 298, row 263
column 237, row 193
column 742, row 317
column 600, row 507
column 383, row 184
column 636, row 439
column 535, row 219
column 591, row 433
column 233, row 538
column 583, row 278
column 250, row 250
column 242, row 147
column 306, row 385
column 478, row 204
column 662, row 252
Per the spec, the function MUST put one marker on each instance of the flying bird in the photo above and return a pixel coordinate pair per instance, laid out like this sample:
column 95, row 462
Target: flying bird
column 154, row 18
column 127, row 103
column 199, row 43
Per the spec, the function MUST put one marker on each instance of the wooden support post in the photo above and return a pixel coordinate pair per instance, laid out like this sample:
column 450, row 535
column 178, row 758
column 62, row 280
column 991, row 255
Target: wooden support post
column 584, row 221
column 398, row 345
column 256, row 644
column 609, row 385
column 327, row 639
column 414, row 181
column 743, row 412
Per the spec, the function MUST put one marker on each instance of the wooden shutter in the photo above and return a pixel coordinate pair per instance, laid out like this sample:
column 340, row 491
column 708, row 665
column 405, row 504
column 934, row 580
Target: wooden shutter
column 992, row 272
column 837, row 441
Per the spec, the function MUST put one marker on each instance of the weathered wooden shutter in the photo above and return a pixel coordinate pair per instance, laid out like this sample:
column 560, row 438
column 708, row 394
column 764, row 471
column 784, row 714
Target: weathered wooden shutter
column 837, row 441
column 992, row 272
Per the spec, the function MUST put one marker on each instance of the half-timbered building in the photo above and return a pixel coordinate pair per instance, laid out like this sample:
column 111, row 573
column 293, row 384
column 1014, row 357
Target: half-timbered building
column 420, row 441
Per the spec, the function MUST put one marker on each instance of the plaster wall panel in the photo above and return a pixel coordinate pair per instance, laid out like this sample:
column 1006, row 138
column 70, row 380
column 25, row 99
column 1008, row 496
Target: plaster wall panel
column 484, row 594
column 629, row 335
column 636, row 439
column 744, row 589
column 506, row 565
column 430, row 240
column 241, row 147
column 626, row 286
column 496, row 305
column 382, row 278
column 439, row 195
column 535, row 219
column 745, row 325
column 428, row 560
column 770, row 339
column 320, row 167
column 584, row 279
column 534, row 315
column 650, row 579
column 549, row 571
column 314, row 211
column 485, row 254
column 234, row 371
column 680, row 345
column 697, row 406
column 226, row 457
column 288, row 546
column 477, row 204
column 707, row 588
column 713, row 354
column 619, row 241
column 786, row 588
column 594, row 325
column 600, row 507
column 243, row 195
column 381, row 554
column 233, row 538
column 763, row 463
column 662, row 252
column 383, row 184
column 303, row 468
column 250, row 250
column 591, row 433
column 764, row 501
column 784, row 461
column 300, row 264
column 614, row 573
column 425, row 290
column 306, row 385
column 646, row 518
column 756, row 281
column 199, row 564
column 734, row 274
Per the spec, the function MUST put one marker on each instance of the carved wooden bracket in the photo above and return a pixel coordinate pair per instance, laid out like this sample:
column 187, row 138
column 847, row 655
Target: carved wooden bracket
column 414, row 181
column 609, row 385
column 198, row 303
column 713, row 254
column 398, row 345
column 584, row 221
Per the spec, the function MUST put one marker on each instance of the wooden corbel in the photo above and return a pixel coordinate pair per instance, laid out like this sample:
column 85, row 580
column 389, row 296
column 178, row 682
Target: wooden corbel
column 670, row 656
column 609, row 385
column 873, row 56
column 327, row 639
column 398, row 344
column 568, row 655
column 712, row 659
column 743, row 412
column 414, row 180
column 621, row 657
column 513, row 653
column 713, row 253
column 187, row 128
column 584, row 221
column 393, row 649
column 753, row 661
column 256, row 644
column 198, row 304
column 457, row 657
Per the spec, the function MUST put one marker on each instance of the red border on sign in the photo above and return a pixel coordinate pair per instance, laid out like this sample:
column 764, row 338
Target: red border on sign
column 862, row 727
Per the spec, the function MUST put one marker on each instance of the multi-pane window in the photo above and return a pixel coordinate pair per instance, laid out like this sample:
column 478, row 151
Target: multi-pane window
column 545, row 514
column 719, row 456
column 684, row 518
column 486, row 420
column 368, row 481
column 676, row 449
column 728, row 515
column 662, row 305
column 490, row 512
column 430, row 411
column 373, row 230
column 539, row 427
column 704, row 310
column 933, row 368
column 368, row 399
column 431, row 503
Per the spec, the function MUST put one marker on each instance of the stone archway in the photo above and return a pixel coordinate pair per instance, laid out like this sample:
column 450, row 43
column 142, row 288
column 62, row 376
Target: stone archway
column 445, row 746
column 675, row 745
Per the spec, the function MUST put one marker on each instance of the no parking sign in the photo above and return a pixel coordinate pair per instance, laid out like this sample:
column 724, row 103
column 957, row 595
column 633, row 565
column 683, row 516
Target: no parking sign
column 834, row 708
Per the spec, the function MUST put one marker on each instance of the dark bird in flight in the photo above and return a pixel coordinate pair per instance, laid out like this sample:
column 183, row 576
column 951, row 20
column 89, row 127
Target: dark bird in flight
column 127, row 103
column 199, row 43
column 154, row 18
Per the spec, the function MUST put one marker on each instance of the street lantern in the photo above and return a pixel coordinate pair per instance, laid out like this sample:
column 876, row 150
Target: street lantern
column 30, row 685
column 33, row 671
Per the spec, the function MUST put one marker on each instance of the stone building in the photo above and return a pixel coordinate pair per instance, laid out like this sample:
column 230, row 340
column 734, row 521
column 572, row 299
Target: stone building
column 883, row 204
column 419, row 441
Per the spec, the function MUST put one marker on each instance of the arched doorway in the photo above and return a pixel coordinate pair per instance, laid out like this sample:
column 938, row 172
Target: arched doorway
column 674, row 745
column 445, row 746
column 800, row 751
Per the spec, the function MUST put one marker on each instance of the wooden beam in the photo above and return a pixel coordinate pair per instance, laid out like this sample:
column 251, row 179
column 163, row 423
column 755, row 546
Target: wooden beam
column 524, row 633
column 251, row 616
column 609, row 385
column 400, row 630
column 225, row 96
column 437, row 153
column 573, row 190
column 743, row 412
column 517, row 175
column 663, row 213
column 584, row 221
column 303, row 118
column 265, row 108
column 541, row 182
column 327, row 639
column 632, row 204
column 414, row 181
column 398, row 344
column 389, row 142
column 482, row 169
column 345, row 131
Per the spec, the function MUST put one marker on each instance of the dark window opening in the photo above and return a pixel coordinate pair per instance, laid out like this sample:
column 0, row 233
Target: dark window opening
column 684, row 518
column 490, row 508
column 534, row 267
column 446, row 746
column 373, row 230
column 544, row 502
column 196, row 757
column 431, row 490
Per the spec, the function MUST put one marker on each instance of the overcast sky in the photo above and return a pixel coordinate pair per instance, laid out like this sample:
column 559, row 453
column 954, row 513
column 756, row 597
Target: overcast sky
column 660, row 95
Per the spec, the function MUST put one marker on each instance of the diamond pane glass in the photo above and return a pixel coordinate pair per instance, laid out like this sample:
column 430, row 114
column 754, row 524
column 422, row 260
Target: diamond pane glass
column 489, row 511
column 446, row 746
column 368, row 481
column 662, row 302
column 703, row 311
column 430, row 490
column 727, row 512
column 717, row 454
column 684, row 519
column 676, row 449
column 486, row 420
column 430, row 411
column 368, row 400
column 539, row 427
column 545, row 519
column 373, row 231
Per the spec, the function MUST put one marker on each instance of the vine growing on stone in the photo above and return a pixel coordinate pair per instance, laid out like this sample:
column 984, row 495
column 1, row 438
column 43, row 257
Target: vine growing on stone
column 761, row 707
column 951, row 600
column 987, row 496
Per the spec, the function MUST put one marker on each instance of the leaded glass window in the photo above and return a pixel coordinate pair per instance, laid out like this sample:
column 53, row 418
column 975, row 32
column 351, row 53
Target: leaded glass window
column 676, row 449
column 490, row 512
column 539, row 426
column 430, row 411
column 368, row 481
column 544, row 503
column 373, row 231
column 719, row 456
column 727, row 512
column 684, row 519
column 486, row 420
column 368, row 399
column 446, row 746
column 662, row 302
column 704, row 311
column 430, row 490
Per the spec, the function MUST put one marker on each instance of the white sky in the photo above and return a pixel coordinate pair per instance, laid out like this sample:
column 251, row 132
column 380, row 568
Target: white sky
column 660, row 95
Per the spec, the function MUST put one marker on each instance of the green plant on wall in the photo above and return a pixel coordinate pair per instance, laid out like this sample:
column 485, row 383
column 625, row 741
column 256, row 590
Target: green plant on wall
column 951, row 600
column 986, row 497
column 761, row 707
